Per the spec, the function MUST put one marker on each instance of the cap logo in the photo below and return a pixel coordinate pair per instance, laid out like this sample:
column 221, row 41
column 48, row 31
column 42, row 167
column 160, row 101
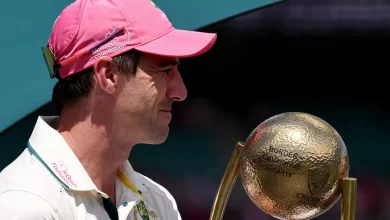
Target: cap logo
column 153, row 4
column 111, row 46
column 54, row 24
column 163, row 15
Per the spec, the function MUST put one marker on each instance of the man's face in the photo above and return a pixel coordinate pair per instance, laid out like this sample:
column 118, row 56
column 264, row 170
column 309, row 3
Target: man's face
column 144, row 105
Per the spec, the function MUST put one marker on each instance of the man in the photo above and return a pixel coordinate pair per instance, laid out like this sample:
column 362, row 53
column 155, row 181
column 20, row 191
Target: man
column 116, row 61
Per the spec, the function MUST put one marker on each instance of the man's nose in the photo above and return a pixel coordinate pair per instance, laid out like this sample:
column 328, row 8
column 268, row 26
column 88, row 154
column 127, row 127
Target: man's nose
column 176, row 91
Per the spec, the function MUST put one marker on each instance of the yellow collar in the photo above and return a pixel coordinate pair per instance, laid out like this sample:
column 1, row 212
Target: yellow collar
column 129, row 184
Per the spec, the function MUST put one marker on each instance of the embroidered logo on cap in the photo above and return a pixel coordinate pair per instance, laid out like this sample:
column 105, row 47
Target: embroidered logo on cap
column 111, row 46
column 154, row 4
column 163, row 15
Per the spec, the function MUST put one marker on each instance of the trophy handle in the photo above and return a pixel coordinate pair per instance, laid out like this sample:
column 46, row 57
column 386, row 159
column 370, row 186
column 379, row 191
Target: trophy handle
column 348, row 203
column 228, row 180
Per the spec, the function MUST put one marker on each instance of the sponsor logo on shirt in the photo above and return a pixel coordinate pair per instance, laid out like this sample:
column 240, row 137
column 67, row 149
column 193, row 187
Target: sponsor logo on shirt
column 62, row 171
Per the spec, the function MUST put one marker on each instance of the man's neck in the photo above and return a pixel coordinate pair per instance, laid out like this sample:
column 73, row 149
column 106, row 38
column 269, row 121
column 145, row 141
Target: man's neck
column 100, row 155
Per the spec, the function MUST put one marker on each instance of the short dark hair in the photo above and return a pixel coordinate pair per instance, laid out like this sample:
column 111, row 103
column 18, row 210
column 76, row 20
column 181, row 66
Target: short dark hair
column 71, row 89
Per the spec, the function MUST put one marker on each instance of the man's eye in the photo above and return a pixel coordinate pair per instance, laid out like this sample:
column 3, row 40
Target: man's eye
column 167, row 71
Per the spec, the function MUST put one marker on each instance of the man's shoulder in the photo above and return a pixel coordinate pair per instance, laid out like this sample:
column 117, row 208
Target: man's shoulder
column 27, row 176
column 156, row 188
column 26, row 185
column 162, row 196
column 18, row 204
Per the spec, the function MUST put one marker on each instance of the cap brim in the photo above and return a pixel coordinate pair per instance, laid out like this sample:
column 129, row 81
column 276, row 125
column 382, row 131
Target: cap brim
column 180, row 44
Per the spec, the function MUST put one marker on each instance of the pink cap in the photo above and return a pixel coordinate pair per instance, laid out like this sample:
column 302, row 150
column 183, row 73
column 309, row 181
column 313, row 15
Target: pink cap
column 142, row 26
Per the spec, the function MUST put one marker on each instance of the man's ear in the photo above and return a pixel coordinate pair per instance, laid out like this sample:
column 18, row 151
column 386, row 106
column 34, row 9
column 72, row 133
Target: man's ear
column 106, row 74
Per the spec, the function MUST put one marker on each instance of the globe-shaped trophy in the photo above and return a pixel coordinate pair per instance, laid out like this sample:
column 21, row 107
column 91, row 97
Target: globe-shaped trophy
column 293, row 166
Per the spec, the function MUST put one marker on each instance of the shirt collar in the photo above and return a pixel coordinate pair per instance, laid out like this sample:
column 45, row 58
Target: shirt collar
column 53, row 152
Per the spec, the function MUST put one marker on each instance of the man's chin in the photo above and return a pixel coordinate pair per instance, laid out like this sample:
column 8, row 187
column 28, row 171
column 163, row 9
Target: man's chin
column 160, row 136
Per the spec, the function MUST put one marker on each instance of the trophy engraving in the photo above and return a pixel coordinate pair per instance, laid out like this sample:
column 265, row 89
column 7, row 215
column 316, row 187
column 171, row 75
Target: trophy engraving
column 292, row 166
column 317, row 178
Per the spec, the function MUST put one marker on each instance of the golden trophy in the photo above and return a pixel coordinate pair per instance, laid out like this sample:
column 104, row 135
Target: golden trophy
column 292, row 166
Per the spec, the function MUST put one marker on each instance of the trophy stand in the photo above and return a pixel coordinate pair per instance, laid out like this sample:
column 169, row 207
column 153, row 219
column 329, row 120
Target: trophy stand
column 349, row 188
column 348, row 198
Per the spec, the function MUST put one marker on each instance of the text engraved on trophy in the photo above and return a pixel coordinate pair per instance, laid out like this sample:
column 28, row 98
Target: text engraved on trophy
column 306, row 199
column 280, row 157
column 283, row 152
column 278, row 171
column 276, row 160
column 317, row 177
